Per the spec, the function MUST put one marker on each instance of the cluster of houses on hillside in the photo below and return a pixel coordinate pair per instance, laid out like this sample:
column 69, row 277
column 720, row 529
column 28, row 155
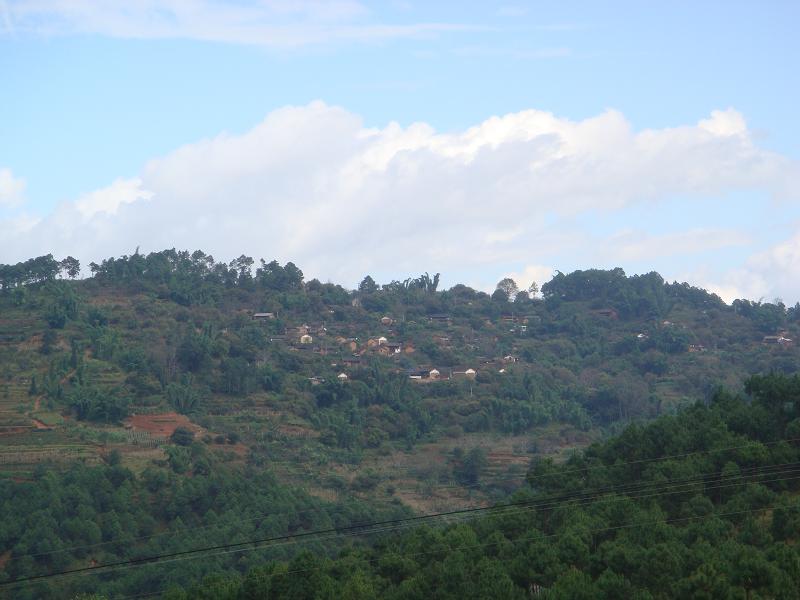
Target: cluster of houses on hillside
column 302, row 338
column 434, row 374
column 780, row 339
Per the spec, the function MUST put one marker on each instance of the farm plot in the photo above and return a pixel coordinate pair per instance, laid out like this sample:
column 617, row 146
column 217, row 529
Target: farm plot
column 160, row 425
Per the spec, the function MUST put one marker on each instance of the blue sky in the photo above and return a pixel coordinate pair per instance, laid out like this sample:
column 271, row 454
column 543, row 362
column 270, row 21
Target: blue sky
column 90, row 97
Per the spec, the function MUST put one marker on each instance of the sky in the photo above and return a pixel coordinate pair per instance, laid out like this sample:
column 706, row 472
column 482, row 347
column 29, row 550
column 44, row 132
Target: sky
column 479, row 140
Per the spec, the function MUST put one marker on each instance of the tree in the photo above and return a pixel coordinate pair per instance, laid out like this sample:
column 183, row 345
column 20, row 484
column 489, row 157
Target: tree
column 71, row 266
column 182, row 436
column 368, row 285
column 470, row 467
column 509, row 286
column 294, row 276
column 182, row 396
column 499, row 295
column 242, row 266
column 533, row 289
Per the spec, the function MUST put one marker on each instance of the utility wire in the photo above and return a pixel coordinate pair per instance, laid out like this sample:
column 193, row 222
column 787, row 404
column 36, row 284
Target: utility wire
column 504, row 541
column 623, row 488
column 355, row 529
column 529, row 478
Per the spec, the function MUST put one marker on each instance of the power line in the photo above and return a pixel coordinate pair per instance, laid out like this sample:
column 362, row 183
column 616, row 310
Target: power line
column 316, row 510
column 505, row 541
column 524, row 509
column 320, row 510
column 356, row 529
column 250, row 519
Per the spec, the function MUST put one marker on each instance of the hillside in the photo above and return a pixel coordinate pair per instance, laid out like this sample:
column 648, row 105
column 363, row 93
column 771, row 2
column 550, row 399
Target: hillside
column 172, row 378
column 701, row 505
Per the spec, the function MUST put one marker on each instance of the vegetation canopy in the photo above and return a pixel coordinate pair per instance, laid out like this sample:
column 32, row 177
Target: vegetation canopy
column 640, row 435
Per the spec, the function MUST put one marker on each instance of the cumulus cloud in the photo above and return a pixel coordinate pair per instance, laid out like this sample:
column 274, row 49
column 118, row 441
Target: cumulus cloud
column 273, row 23
column 639, row 246
column 770, row 274
column 11, row 189
column 537, row 274
column 313, row 185
column 108, row 200
column 775, row 271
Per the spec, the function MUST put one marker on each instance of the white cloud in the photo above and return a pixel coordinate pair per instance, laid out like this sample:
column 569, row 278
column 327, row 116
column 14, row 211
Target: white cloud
column 538, row 274
column 311, row 184
column 11, row 189
column 629, row 246
column 724, row 123
column 778, row 270
column 769, row 274
column 273, row 23
column 108, row 200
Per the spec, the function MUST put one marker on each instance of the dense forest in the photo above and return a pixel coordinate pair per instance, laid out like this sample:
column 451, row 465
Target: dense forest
column 171, row 402
column 700, row 505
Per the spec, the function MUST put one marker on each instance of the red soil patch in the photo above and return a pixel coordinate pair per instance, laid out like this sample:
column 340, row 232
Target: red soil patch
column 15, row 430
column 39, row 425
column 163, row 425
column 297, row 431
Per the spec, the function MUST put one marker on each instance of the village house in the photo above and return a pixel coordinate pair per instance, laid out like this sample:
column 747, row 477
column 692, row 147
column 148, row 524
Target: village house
column 306, row 339
column 418, row 374
column 384, row 351
column 394, row 347
column 777, row 339
column 467, row 373
column 386, row 320
column 342, row 377
column 439, row 318
column 263, row 316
